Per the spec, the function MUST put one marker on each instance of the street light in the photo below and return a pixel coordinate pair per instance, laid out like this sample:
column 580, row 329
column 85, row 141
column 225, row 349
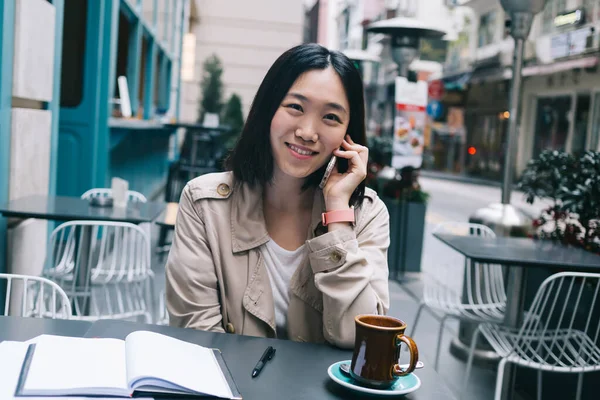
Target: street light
column 405, row 34
column 503, row 217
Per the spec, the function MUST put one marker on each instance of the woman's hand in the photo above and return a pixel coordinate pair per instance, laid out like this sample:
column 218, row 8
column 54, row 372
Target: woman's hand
column 339, row 187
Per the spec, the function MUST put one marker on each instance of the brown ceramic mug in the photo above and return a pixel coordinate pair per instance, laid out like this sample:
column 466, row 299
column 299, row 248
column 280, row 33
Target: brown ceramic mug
column 377, row 350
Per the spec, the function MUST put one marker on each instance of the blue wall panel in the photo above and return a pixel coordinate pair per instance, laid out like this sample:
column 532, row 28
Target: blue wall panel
column 7, row 23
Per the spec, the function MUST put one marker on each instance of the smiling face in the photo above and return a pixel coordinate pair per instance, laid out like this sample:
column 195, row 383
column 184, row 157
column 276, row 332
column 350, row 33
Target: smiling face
column 309, row 124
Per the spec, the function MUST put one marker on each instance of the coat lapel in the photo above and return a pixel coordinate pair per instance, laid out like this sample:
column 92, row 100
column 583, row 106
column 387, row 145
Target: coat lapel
column 258, row 297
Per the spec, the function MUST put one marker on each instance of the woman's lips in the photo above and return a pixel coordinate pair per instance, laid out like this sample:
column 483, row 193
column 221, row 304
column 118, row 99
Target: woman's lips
column 300, row 152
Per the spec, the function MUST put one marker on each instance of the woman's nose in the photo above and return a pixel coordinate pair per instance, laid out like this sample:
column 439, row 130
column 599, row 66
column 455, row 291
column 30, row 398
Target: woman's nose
column 307, row 134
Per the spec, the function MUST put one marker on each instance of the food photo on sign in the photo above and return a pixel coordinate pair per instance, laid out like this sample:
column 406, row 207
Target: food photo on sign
column 409, row 123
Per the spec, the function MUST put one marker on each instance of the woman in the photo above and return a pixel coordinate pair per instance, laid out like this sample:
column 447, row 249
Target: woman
column 253, row 253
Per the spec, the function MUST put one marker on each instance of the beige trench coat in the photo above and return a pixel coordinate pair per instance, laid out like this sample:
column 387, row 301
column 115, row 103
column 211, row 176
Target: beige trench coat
column 217, row 280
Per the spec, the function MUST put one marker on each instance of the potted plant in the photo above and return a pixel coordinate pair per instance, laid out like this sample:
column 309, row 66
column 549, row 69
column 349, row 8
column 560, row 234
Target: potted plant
column 407, row 205
column 573, row 186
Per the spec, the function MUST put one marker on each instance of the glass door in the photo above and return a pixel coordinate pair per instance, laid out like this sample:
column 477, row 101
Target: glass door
column 594, row 142
column 552, row 123
column 578, row 140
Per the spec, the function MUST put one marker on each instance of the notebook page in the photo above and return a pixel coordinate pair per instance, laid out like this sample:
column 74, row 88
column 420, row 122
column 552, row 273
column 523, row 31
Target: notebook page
column 185, row 365
column 72, row 365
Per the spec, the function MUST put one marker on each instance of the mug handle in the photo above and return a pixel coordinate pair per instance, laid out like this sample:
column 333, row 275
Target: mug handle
column 414, row 355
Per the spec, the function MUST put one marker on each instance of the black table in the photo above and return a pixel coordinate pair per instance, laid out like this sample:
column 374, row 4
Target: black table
column 21, row 329
column 519, row 254
column 522, row 252
column 66, row 208
column 298, row 370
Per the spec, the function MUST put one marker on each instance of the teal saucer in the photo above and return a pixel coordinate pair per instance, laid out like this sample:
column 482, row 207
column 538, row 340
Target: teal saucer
column 403, row 385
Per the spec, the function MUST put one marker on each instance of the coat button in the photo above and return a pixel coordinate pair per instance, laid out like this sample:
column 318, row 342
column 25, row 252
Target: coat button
column 230, row 328
column 223, row 189
column 335, row 257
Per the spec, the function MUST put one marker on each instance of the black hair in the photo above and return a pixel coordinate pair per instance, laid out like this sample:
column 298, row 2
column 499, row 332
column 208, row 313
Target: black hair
column 252, row 158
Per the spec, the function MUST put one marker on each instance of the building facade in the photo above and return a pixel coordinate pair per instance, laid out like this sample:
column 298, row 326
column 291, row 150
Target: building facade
column 560, row 84
column 247, row 37
column 62, row 130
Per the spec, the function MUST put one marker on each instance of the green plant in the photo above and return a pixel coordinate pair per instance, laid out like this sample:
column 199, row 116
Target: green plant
column 211, row 87
column 573, row 185
column 545, row 175
column 234, row 118
column 581, row 196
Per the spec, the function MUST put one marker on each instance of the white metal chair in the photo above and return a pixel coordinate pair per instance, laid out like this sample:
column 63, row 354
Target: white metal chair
column 34, row 296
column 104, row 267
column 132, row 196
column 102, row 192
column 484, row 299
column 551, row 338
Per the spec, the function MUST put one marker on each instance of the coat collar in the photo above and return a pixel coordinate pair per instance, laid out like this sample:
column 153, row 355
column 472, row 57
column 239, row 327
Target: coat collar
column 248, row 227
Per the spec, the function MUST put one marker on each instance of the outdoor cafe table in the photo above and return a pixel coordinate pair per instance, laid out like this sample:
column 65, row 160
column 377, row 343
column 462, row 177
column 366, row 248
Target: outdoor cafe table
column 66, row 208
column 519, row 254
column 297, row 372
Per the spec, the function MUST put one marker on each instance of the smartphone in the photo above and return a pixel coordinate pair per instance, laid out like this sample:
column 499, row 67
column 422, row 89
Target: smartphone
column 328, row 170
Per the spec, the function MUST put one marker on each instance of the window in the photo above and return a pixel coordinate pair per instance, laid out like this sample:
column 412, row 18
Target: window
column 591, row 10
column 73, row 53
column 595, row 139
column 552, row 124
column 487, row 28
column 122, row 50
column 548, row 16
column 551, row 10
column 143, row 65
column 561, row 7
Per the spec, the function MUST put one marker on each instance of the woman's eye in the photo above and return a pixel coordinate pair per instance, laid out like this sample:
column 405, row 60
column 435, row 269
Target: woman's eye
column 295, row 106
column 333, row 117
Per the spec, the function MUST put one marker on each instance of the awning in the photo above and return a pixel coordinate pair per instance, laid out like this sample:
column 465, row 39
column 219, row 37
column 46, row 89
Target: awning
column 457, row 81
column 493, row 74
column 547, row 69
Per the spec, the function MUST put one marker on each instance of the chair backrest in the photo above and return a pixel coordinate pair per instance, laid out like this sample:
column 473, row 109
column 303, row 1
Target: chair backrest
column 108, row 252
column 484, row 282
column 102, row 192
column 34, row 296
column 566, row 312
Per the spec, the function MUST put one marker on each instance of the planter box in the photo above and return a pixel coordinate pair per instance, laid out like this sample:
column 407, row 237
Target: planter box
column 407, row 226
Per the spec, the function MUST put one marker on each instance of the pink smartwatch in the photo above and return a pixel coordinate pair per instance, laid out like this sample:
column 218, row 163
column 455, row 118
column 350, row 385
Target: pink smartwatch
column 338, row 216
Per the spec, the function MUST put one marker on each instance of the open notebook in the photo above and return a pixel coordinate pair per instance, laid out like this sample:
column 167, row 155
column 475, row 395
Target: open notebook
column 143, row 362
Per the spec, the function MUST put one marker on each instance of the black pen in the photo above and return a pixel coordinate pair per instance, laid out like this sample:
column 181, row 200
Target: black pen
column 267, row 355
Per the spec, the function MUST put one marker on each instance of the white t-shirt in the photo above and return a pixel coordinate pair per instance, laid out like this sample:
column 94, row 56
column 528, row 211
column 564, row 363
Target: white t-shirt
column 281, row 264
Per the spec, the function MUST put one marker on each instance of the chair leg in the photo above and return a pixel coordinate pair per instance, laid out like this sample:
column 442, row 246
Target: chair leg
column 579, row 386
column 470, row 360
column 500, row 379
column 414, row 327
column 439, row 341
column 539, row 384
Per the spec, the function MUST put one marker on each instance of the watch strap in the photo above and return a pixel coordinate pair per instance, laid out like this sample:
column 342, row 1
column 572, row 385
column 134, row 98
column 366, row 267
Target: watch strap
column 330, row 217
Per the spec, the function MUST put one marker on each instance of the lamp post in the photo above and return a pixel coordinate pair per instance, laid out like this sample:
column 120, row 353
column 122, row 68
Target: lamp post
column 503, row 218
